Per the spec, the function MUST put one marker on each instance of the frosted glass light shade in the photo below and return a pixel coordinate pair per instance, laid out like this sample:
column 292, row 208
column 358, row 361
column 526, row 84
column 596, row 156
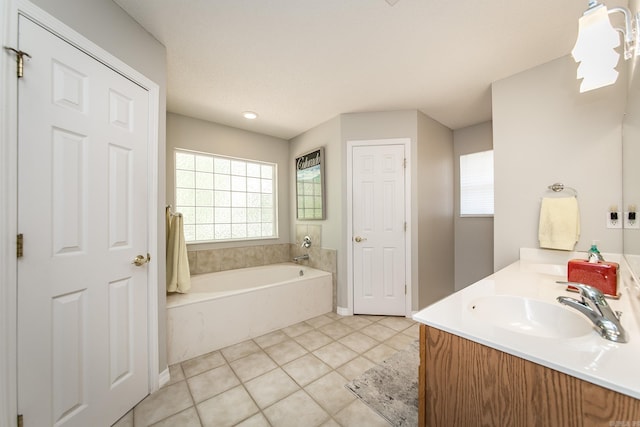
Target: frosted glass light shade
column 594, row 49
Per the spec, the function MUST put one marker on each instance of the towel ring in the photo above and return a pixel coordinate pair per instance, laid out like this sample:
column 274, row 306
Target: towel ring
column 558, row 187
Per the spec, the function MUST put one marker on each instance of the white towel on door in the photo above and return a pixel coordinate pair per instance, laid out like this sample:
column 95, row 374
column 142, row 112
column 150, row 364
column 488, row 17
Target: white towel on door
column 178, row 276
column 559, row 223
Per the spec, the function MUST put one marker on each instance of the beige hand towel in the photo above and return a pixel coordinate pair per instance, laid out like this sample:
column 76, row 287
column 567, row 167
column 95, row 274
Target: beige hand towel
column 178, row 276
column 559, row 223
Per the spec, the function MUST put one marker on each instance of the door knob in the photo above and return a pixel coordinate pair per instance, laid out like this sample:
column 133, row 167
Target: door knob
column 141, row 260
column 359, row 239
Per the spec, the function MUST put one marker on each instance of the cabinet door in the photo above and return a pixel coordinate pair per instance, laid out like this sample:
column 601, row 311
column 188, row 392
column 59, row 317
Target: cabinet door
column 466, row 383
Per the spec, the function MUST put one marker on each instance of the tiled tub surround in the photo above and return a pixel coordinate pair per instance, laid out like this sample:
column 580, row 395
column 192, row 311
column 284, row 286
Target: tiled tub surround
column 211, row 260
column 291, row 377
column 228, row 307
column 322, row 259
column 214, row 260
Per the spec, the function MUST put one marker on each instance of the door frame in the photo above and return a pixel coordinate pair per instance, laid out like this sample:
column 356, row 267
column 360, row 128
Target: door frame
column 406, row 142
column 9, row 13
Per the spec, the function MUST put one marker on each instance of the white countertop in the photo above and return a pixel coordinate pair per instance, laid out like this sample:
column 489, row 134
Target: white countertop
column 589, row 356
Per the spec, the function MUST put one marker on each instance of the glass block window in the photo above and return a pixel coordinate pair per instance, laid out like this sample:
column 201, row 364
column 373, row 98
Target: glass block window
column 476, row 184
column 223, row 198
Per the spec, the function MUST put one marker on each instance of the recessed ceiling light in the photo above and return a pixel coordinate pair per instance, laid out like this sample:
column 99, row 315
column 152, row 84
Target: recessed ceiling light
column 250, row 115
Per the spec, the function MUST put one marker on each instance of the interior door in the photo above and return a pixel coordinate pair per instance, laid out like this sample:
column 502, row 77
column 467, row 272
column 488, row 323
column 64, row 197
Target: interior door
column 378, row 186
column 82, row 209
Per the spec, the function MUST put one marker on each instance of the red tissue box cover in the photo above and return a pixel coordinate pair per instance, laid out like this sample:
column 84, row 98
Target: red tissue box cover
column 602, row 275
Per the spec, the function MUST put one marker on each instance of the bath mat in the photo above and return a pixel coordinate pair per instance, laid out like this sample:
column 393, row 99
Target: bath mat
column 391, row 388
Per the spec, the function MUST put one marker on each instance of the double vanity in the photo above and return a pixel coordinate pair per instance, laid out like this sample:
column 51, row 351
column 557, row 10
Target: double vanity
column 504, row 351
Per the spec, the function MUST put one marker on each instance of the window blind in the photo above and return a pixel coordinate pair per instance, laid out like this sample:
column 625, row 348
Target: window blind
column 476, row 184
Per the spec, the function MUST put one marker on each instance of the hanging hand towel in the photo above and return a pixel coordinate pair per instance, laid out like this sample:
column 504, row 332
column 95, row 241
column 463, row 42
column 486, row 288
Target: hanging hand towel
column 559, row 223
column 178, row 276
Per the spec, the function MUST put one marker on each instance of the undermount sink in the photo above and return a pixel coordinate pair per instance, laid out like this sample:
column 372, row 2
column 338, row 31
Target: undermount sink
column 530, row 317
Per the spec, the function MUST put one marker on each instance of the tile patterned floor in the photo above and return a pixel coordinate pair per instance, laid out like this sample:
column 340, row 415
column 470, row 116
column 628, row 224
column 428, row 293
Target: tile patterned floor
column 291, row 377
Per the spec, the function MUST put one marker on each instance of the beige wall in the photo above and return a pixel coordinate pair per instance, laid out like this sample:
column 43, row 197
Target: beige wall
column 333, row 135
column 432, row 177
column 433, row 199
column 108, row 26
column 545, row 131
column 432, row 181
column 431, row 189
column 473, row 235
column 325, row 135
column 200, row 135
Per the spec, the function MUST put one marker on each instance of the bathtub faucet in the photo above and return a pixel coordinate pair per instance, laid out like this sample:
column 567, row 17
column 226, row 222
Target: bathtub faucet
column 301, row 257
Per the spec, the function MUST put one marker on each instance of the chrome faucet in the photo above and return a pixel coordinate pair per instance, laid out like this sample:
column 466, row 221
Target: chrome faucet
column 301, row 257
column 593, row 305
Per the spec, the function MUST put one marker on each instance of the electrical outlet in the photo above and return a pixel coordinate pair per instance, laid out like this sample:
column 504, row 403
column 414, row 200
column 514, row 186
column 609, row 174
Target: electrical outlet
column 631, row 221
column 614, row 220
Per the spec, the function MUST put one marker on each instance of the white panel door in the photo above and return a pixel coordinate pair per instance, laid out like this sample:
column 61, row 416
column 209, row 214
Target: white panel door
column 378, row 183
column 82, row 208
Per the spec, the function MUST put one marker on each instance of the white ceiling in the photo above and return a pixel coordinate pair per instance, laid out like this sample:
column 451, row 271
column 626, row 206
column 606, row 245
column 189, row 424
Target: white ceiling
column 298, row 63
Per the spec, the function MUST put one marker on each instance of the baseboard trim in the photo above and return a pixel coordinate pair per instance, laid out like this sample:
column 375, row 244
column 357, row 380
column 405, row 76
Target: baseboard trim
column 343, row 311
column 164, row 377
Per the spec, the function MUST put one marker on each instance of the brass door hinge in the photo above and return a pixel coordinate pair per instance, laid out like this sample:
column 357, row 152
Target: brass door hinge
column 19, row 60
column 20, row 246
column 20, row 421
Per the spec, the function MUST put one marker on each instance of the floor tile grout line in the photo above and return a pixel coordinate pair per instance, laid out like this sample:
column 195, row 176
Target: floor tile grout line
column 319, row 404
column 259, row 348
column 299, row 386
column 332, row 370
column 193, row 399
column 176, row 413
column 243, row 383
column 226, row 363
column 260, row 410
column 195, row 407
column 279, row 366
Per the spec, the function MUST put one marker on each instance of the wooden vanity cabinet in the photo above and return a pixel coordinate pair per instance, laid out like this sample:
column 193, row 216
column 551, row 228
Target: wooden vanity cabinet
column 463, row 383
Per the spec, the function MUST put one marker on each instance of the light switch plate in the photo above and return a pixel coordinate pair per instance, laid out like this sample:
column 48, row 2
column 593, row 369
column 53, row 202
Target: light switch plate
column 614, row 223
column 631, row 224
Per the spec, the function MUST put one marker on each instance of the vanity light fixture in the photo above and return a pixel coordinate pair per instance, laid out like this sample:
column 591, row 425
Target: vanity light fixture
column 596, row 43
column 249, row 115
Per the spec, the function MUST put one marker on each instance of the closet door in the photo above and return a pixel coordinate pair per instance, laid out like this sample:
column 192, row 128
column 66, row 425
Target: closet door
column 378, row 184
column 82, row 208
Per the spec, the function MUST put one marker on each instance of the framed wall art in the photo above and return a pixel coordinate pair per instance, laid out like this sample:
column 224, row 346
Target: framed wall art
column 310, row 200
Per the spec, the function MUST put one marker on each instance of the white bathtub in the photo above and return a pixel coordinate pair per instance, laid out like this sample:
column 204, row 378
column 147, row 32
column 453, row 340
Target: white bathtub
column 228, row 307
